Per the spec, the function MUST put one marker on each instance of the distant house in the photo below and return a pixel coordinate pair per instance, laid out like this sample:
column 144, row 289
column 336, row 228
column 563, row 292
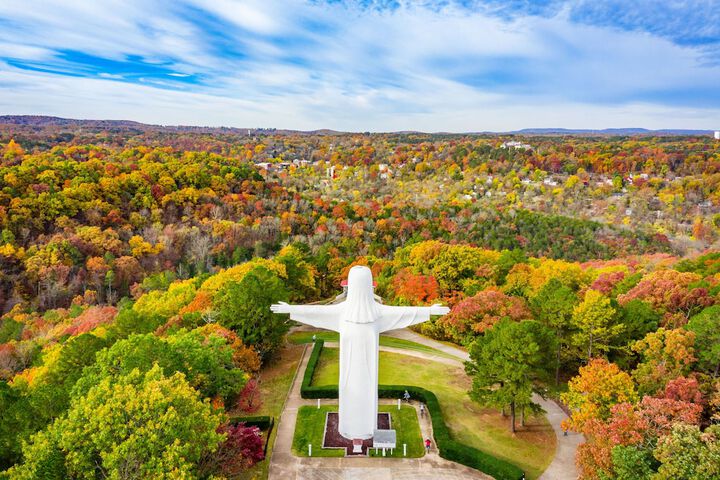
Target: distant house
column 717, row 134
column 514, row 144
column 384, row 171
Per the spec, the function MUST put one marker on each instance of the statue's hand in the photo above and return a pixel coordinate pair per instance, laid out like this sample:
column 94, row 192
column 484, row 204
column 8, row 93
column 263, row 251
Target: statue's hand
column 438, row 309
column 280, row 307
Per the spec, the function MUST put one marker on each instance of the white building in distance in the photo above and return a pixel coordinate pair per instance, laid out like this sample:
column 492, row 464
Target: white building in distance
column 514, row 144
column 717, row 134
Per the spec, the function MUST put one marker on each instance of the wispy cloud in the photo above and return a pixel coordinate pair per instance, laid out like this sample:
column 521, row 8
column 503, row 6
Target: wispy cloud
column 366, row 65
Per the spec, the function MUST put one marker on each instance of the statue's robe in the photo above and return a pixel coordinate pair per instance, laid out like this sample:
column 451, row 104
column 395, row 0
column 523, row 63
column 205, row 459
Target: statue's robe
column 359, row 342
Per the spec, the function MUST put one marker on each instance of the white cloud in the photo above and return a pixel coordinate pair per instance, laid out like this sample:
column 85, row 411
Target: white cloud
column 288, row 64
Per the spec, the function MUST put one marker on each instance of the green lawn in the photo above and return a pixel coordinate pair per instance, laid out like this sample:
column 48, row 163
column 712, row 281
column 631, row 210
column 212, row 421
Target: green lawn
column 309, row 430
column 310, row 427
column 305, row 336
column 385, row 341
column 531, row 448
column 405, row 423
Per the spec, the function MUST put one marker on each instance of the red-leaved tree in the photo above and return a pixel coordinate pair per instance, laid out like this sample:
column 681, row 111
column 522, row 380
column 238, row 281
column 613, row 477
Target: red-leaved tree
column 249, row 399
column 242, row 449
column 415, row 288
column 476, row 314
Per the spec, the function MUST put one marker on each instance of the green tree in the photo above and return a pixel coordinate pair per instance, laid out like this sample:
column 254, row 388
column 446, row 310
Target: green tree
column 129, row 321
column 638, row 319
column 689, row 454
column 553, row 307
column 593, row 319
column 17, row 423
column 300, row 274
column 706, row 326
column 510, row 363
column 50, row 395
column 245, row 308
column 206, row 362
column 508, row 259
column 633, row 462
column 142, row 425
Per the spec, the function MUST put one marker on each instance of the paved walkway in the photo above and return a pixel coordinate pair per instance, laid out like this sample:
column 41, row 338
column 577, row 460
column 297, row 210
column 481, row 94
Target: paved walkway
column 285, row 466
column 563, row 465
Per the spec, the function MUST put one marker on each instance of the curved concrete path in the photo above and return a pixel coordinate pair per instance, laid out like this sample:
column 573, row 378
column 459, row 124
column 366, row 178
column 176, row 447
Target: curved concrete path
column 563, row 465
column 285, row 466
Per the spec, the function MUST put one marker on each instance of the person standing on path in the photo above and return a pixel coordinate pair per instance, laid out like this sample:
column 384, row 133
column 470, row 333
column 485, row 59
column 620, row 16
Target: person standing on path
column 422, row 410
column 427, row 445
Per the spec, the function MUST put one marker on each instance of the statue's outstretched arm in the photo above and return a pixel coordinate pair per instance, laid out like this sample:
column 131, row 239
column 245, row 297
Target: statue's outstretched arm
column 400, row 317
column 320, row 316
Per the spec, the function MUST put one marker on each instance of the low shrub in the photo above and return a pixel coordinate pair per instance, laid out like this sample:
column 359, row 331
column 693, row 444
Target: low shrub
column 263, row 422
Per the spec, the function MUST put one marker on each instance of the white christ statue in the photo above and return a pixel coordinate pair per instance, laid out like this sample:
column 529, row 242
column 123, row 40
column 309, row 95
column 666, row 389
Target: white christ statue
column 360, row 320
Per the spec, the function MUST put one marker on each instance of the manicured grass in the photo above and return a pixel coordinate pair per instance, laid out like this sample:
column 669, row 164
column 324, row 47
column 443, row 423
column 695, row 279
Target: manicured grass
column 309, row 430
column 405, row 423
column 310, row 426
column 531, row 448
column 305, row 336
column 275, row 381
column 385, row 341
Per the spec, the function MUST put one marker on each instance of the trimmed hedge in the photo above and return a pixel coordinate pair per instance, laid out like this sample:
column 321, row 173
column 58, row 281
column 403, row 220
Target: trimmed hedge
column 306, row 389
column 263, row 422
column 449, row 448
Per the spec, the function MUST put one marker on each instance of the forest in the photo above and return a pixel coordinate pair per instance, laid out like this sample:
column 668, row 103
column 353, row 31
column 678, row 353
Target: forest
column 139, row 263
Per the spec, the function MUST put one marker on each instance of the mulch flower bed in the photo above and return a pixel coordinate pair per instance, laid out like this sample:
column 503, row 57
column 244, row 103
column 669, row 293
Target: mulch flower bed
column 333, row 439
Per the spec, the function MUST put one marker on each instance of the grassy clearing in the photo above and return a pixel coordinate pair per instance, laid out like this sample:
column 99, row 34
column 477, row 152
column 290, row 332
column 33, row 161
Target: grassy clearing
column 275, row 381
column 385, row 341
column 531, row 448
column 310, row 427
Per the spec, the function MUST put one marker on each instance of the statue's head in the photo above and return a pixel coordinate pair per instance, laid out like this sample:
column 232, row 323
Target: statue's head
column 360, row 277
column 360, row 305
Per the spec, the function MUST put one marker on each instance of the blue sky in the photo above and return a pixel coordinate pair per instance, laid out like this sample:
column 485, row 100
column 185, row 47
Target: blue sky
column 432, row 65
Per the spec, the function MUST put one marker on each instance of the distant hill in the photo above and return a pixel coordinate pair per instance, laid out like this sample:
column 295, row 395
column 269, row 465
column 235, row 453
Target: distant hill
column 41, row 121
column 608, row 131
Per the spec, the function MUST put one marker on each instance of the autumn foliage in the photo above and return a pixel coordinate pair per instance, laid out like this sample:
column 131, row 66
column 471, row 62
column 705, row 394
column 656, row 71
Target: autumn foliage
column 476, row 314
column 415, row 288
